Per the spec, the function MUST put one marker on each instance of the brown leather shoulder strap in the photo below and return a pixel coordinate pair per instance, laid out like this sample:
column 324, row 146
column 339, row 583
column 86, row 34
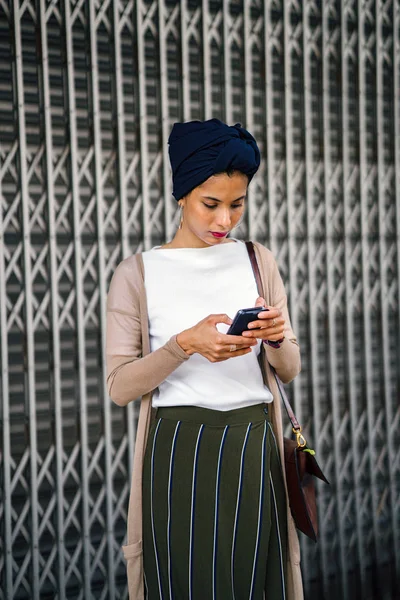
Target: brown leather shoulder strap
column 256, row 271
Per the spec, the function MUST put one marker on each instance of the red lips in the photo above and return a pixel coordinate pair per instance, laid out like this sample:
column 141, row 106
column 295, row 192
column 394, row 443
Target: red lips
column 219, row 235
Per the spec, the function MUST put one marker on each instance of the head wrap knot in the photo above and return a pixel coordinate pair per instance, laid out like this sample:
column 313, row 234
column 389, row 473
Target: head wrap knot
column 200, row 149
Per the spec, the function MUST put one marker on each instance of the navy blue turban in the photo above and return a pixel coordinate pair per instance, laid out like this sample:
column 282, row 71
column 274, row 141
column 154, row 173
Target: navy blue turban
column 199, row 149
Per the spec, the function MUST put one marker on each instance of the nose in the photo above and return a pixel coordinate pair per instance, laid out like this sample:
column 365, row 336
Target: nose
column 224, row 218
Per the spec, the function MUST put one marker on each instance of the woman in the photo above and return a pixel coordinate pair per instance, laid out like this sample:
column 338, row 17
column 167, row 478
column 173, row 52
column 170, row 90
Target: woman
column 208, row 515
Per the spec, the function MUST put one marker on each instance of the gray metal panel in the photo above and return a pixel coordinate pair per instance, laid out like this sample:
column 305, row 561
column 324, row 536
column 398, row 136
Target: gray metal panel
column 88, row 94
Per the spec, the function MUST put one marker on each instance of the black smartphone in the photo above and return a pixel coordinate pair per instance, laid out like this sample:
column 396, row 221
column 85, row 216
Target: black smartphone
column 243, row 317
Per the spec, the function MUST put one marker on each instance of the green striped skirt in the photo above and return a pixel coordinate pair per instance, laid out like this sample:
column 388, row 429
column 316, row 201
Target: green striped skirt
column 214, row 508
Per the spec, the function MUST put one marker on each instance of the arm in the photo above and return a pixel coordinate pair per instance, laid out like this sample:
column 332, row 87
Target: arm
column 129, row 375
column 286, row 359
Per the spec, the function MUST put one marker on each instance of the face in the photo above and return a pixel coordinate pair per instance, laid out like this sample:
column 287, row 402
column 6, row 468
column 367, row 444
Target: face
column 215, row 206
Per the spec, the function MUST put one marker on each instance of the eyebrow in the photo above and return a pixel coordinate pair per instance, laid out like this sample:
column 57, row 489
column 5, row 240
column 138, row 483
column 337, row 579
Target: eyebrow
column 216, row 199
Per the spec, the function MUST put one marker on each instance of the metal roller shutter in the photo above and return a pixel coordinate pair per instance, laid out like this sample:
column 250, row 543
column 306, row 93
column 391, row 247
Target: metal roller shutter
column 88, row 93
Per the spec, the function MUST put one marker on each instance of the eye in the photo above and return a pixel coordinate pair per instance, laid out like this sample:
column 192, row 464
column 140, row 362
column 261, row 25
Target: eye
column 215, row 205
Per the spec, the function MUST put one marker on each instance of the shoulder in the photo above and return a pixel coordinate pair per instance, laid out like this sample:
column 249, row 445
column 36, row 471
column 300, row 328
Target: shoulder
column 127, row 279
column 130, row 267
column 264, row 254
column 267, row 263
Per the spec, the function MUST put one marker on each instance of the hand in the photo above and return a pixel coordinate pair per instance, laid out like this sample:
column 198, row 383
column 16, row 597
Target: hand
column 269, row 326
column 205, row 339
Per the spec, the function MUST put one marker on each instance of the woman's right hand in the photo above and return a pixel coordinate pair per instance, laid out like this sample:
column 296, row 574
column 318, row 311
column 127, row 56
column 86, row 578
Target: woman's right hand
column 205, row 339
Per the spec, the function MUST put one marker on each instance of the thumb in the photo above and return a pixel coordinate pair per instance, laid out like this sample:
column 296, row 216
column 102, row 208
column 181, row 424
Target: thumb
column 260, row 302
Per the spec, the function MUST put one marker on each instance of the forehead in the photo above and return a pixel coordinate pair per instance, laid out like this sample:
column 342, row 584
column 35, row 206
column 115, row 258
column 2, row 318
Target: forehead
column 223, row 186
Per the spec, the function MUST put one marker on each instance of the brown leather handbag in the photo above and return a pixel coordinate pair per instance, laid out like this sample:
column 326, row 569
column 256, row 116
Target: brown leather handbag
column 300, row 462
column 300, row 467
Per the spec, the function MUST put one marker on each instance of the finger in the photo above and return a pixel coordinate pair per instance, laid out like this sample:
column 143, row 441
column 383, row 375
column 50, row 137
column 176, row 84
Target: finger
column 221, row 318
column 276, row 337
column 271, row 313
column 234, row 339
column 266, row 329
column 240, row 352
column 266, row 335
column 270, row 324
column 260, row 302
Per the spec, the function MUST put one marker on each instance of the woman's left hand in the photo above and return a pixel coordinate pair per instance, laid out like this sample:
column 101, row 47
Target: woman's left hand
column 270, row 324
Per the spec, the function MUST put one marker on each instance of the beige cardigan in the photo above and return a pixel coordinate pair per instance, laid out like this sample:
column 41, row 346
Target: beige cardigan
column 132, row 371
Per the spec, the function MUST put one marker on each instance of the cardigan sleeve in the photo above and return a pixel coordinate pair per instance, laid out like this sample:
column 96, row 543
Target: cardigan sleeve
column 286, row 359
column 129, row 374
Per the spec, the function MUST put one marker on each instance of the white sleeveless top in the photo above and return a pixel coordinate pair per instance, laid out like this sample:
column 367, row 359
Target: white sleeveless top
column 183, row 286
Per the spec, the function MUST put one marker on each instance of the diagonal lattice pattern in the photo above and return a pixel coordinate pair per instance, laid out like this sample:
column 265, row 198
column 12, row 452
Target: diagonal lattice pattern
column 88, row 94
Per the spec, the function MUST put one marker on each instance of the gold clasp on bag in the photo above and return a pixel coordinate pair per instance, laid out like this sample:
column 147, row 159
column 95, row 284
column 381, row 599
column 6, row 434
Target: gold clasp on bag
column 301, row 440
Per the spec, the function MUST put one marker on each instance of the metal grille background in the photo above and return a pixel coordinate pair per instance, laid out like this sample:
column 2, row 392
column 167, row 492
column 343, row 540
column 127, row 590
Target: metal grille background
column 88, row 93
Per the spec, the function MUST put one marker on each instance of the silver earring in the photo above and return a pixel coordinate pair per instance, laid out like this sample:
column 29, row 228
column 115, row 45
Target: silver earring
column 180, row 224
